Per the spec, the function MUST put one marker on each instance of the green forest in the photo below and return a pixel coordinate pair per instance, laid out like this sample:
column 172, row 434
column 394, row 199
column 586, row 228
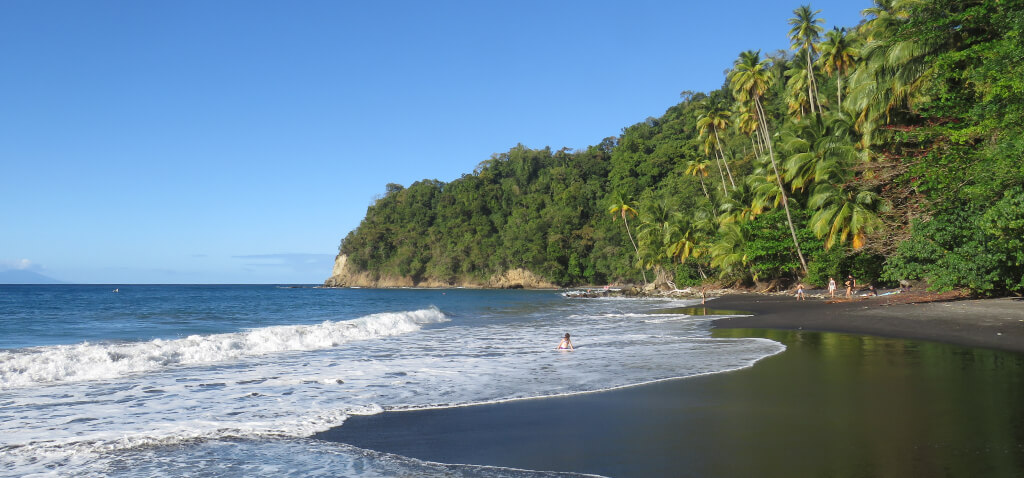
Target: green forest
column 891, row 150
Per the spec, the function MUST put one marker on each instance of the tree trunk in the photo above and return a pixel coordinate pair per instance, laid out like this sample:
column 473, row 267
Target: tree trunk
column 722, row 153
column 839, row 89
column 637, row 249
column 812, row 89
column 782, row 188
column 722, row 173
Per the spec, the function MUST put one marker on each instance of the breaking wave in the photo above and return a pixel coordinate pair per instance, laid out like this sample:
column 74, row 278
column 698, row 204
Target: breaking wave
column 85, row 361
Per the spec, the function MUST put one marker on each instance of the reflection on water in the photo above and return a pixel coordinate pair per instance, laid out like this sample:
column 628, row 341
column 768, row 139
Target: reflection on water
column 846, row 405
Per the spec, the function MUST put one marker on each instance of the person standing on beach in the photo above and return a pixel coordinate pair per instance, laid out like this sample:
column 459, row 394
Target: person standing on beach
column 800, row 291
column 850, row 284
column 832, row 287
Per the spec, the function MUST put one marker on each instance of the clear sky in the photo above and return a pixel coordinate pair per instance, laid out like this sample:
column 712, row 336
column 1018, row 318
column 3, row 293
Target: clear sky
column 239, row 141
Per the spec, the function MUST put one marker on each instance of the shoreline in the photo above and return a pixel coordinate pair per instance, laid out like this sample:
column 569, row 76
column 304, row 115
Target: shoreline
column 869, row 385
column 986, row 323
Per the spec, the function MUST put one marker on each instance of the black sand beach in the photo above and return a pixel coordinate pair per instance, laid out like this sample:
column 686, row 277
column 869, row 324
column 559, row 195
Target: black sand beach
column 987, row 323
column 871, row 403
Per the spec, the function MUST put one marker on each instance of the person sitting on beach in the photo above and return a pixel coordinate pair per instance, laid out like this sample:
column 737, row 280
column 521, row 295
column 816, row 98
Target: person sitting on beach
column 565, row 344
column 832, row 287
column 800, row 291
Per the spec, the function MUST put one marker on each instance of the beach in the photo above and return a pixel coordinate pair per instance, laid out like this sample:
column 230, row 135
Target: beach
column 988, row 323
column 867, row 387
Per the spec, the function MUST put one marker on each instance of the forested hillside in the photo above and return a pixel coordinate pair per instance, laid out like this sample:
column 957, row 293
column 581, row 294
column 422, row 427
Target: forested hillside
column 891, row 149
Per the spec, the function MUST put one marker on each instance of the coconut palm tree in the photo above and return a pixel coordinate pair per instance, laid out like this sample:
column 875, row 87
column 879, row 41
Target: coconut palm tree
column 766, row 190
column 804, row 35
column 820, row 149
column 884, row 18
column 747, row 123
column 683, row 244
column 707, row 153
column 655, row 223
column 738, row 206
column 838, row 55
column 844, row 212
column 893, row 70
column 727, row 251
column 716, row 119
column 750, row 80
column 654, row 230
column 699, row 168
column 798, row 103
column 621, row 207
column 687, row 237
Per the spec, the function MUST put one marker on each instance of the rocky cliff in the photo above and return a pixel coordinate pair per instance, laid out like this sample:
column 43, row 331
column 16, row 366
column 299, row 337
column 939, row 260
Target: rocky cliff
column 344, row 275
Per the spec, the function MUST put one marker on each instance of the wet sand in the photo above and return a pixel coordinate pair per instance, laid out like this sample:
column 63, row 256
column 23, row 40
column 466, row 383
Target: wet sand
column 987, row 323
column 832, row 404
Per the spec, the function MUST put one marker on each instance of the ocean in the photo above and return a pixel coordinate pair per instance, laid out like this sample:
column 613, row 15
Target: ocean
column 226, row 380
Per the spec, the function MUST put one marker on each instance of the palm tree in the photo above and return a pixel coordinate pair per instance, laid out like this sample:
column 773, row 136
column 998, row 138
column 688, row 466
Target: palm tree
column 798, row 102
column 893, row 70
column 738, row 206
column 716, row 119
column 699, row 168
column 682, row 244
column 820, row 150
column 727, row 251
column 804, row 36
column 844, row 212
column 838, row 55
column 687, row 238
column 747, row 123
column 884, row 18
column 621, row 207
column 707, row 153
column 766, row 191
column 655, row 229
column 655, row 224
column 750, row 80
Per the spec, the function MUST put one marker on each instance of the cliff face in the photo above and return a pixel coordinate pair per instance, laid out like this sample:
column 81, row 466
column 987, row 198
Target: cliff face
column 344, row 275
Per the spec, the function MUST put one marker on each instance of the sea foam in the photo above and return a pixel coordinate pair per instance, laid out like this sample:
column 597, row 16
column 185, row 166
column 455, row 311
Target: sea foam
column 86, row 361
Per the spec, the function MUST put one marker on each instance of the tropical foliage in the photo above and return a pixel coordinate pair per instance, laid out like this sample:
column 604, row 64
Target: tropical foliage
column 892, row 149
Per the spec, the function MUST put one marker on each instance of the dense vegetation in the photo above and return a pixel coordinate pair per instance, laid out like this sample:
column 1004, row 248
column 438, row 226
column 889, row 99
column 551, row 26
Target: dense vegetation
column 891, row 150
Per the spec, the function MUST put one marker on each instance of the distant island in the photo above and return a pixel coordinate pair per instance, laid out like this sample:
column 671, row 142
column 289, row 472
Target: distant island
column 888, row 151
column 18, row 276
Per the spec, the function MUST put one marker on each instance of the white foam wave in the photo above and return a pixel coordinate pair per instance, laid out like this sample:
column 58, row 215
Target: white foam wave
column 85, row 361
column 672, row 318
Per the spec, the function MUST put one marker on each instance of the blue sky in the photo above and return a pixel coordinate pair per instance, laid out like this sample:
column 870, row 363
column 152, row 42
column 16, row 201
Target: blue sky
column 239, row 141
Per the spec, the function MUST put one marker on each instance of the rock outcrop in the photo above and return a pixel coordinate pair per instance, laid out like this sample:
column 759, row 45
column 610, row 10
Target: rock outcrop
column 518, row 279
column 344, row 275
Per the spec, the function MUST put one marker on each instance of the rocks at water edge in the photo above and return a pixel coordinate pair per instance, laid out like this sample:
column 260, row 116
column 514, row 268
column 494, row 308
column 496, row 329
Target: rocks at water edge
column 345, row 275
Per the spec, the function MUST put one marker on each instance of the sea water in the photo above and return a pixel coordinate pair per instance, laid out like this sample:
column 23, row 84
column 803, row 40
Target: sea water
column 234, row 380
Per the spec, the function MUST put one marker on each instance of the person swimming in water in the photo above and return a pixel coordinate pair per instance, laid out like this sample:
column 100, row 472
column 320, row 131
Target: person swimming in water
column 565, row 344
